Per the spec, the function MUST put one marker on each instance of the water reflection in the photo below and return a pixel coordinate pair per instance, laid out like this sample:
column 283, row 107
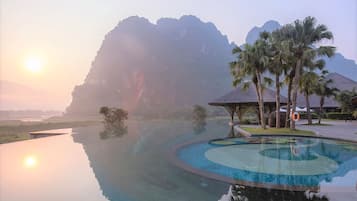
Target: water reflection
column 199, row 127
column 46, row 169
column 133, row 167
column 199, row 116
column 113, row 133
column 137, row 166
column 246, row 193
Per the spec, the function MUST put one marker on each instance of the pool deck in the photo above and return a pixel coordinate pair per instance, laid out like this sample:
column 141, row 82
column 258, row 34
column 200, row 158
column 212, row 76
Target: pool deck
column 335, row 129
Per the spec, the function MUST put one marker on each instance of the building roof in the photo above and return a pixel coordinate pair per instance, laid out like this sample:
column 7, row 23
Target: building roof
column 339, row 81
column 247, row 96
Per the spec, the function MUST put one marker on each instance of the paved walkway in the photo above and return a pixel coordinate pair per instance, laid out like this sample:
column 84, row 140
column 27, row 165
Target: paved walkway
column 336, row 129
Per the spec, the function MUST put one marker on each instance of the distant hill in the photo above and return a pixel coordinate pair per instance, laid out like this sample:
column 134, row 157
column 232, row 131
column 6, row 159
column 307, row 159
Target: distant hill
column 338, row 63
column 152, row 68
column 18, row 96
column 253, row 34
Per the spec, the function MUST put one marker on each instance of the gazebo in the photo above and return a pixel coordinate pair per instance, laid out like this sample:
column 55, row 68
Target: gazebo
column 330, row 104
column 239, row 98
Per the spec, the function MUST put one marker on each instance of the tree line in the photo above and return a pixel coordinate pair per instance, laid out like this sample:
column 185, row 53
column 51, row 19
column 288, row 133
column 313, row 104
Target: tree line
column 293, row 54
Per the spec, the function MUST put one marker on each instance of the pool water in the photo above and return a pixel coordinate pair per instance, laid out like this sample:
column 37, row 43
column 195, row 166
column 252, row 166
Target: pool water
column 286, row 162
column 142, row 165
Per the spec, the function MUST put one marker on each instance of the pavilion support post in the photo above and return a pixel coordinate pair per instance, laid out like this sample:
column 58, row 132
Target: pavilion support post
column 232, row 116
column 239, row 113
column 231, row 110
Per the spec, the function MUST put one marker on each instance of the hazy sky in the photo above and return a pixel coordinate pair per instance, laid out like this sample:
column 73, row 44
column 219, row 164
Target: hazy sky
column 65, row 35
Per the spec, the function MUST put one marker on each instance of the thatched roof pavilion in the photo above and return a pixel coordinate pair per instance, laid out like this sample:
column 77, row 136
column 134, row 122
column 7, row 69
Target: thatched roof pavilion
column 239, row 97
column 339, row 81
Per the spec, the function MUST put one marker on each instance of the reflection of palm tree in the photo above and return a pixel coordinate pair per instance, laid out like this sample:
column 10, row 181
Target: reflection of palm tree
column 110, row 133
column 199, row 116
column 247, row 193
column 293, row 151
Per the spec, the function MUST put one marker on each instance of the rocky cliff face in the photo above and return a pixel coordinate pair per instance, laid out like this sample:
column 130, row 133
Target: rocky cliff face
column 153, row 68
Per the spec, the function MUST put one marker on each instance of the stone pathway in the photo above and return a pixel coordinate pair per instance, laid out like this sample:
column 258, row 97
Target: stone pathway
column 336, row 129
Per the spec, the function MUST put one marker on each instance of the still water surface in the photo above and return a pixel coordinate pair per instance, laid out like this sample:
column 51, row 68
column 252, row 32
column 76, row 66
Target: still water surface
column 137, row 166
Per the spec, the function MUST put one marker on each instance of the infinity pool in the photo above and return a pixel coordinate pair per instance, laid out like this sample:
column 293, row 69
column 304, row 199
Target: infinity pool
column 284, row 162
column 166, row 160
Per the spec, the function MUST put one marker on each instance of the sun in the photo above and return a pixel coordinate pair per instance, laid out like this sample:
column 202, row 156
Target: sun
column 30, row 162
column 34, row 64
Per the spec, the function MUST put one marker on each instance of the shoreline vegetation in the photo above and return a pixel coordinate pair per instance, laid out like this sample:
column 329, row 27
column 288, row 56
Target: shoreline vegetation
column 277, row 131
column 12, row 131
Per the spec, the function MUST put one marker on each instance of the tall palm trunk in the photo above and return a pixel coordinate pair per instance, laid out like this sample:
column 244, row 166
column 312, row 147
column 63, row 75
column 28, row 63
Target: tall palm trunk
column 309, row 119
column 296, row 81
column 288, row 108
column 277, row 100
column 322, row 100
column 260, row 101
column 258, row 96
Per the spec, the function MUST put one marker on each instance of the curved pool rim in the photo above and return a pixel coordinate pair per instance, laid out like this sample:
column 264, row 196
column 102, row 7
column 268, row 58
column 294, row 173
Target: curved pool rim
column 173, row 158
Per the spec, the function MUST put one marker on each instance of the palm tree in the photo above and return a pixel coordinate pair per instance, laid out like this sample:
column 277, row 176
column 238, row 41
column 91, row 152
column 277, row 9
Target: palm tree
column 289, row 81
column 345, row 99
column 304, row 35
column 252, row 61
column 323, row 90
column 307, row 84
column 279, row 65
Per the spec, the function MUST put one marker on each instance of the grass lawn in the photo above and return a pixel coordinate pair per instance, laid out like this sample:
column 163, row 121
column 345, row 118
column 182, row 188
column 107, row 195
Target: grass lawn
column 316, row 124
column 17, row 132
column 278, row 131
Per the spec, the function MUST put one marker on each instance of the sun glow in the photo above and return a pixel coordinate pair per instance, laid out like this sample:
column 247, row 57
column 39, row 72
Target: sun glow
column 34, row 64
column 30, row 162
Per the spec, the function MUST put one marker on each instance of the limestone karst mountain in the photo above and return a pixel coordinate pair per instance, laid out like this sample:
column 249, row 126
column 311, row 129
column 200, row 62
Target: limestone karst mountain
column 152, row 68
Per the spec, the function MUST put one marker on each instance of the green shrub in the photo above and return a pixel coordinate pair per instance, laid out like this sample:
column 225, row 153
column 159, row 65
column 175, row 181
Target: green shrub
column 272, row 119
column 339, row 116
column 303, row 115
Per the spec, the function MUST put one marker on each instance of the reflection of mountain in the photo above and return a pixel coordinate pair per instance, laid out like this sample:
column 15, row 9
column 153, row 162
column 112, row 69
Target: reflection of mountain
column 148, row 68
column 135, row 166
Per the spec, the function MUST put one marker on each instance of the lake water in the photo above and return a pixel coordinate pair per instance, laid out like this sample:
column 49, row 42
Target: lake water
column 141, row 165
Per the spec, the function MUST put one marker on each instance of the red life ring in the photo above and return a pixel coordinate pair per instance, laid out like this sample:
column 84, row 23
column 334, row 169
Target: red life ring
column 295, row 116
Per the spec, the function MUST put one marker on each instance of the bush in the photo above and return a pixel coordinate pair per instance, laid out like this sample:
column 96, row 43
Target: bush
column 272, row 119
column 339, row 116
column 245, row 121
column 313, row 115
